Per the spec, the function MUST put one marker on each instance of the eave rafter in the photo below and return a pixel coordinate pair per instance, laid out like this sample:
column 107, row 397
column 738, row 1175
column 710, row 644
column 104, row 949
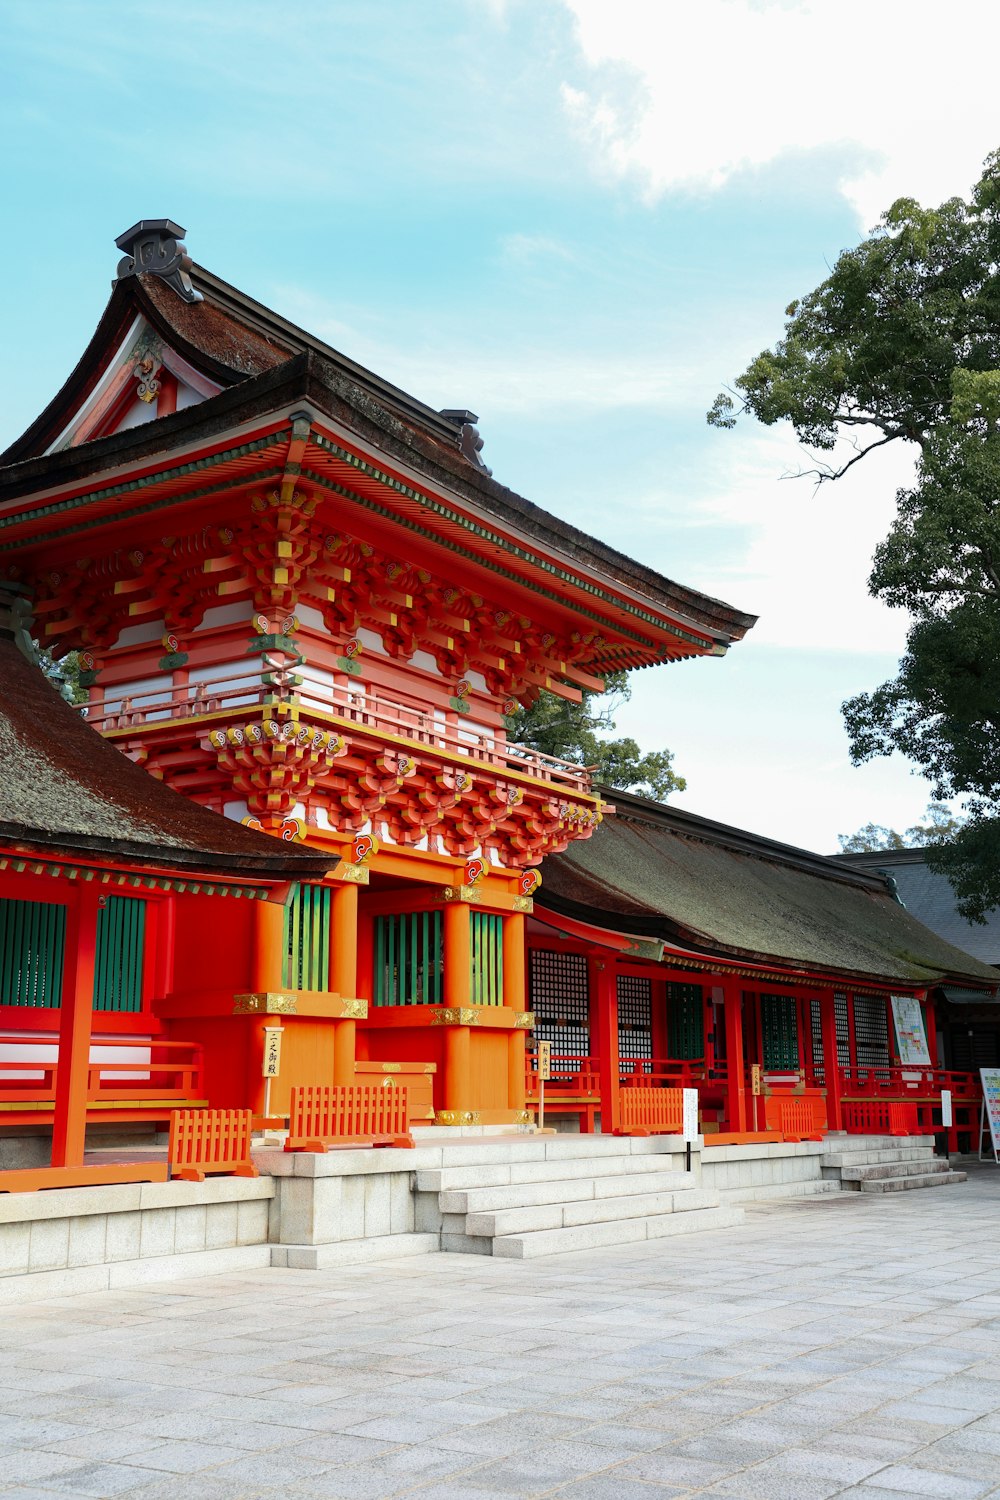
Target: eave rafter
column 631, row 635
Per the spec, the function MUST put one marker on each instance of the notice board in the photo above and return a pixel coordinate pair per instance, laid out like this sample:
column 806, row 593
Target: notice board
column 990, row 1078
column 911, row 1038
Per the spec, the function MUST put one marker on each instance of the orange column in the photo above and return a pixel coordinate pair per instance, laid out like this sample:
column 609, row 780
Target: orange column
column 736, row 1094
column 457, row 954
column 457, row 1082
column 831, row 1062
column 267, row 948
column 344, row 974
column 515, row 995
column 604, row 978
column 69, row 1126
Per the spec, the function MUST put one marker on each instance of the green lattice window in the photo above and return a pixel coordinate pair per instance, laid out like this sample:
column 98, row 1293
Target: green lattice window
column 121, row 936
column 685, row 1021
column 32, row 948
column 307, row 939
column 486, row 940
column 408, row 959
column 779, row 1033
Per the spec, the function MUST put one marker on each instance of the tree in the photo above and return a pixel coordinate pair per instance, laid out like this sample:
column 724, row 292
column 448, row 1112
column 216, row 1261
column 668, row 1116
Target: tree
column 573, row 731
column 940, row 826
column 901, row 343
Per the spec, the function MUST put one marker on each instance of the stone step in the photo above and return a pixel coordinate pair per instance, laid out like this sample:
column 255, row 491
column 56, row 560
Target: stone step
column 589, row 1211
column 528, row 1245
column 893, row 1169
column 500, row 1173
column 575, row 1189
column 766, row 1191
column 904, row 1184
column 871, row 1158
column 353, row 1252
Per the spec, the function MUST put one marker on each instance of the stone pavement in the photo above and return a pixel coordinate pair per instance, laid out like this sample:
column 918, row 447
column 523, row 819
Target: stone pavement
column 842, row 1345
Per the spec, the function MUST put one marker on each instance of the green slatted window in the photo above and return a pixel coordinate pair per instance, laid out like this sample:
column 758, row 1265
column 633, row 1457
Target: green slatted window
column 32, row 949
column 487, row 958
column 121, row 937
column 685, row 1021
column 408, row 959
column 307, row 939
column 779, row 1032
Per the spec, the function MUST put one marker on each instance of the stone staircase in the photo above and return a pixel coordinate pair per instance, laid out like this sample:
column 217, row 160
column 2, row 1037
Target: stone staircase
column 886, row 1164
column 569, row 1193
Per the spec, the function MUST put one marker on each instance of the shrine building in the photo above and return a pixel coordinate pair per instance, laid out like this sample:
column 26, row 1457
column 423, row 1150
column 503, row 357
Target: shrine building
column 301, row 600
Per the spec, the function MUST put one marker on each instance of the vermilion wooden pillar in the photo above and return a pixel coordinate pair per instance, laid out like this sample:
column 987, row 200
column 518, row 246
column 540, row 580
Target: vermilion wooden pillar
column 69, row 1128
column 456, row 1086
column 736, row 1095
column 344, row 974
column 457, row 954
column 831, row 1061
column 604, row 980
column 515, row 995
column 267, row 953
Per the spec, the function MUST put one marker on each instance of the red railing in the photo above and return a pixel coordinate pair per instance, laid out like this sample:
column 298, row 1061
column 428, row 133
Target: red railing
column 352, row 704
column 919, row 1085
column 155, row 1070
column 668, row 1072
column 572, row 1077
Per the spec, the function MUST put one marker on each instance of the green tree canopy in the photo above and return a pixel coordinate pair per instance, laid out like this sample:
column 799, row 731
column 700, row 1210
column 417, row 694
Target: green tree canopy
column 901, row 343
column 576, row 732
column 940, row 825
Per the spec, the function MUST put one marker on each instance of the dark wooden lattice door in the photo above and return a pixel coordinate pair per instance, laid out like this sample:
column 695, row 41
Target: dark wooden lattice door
column 685, row 1021
column 560, row 998
column 779, row 1033
column 635, row 1017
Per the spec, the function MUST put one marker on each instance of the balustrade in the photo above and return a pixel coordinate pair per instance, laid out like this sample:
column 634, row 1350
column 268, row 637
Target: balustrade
column 355, row 705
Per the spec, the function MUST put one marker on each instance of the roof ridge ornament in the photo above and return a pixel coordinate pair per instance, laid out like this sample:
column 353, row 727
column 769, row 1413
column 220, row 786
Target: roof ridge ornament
column 155, row 247
column 469, row 441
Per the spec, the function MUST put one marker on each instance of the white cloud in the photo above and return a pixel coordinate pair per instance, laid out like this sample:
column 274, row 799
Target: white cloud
column 686, row 95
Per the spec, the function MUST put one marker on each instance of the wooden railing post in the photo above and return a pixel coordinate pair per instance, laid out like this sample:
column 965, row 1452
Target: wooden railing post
column 69, row 1126
column 832, row 1080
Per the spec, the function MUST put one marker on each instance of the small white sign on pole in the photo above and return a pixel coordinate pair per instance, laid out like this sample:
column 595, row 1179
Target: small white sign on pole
column 946, row 1115
column 689, row 1116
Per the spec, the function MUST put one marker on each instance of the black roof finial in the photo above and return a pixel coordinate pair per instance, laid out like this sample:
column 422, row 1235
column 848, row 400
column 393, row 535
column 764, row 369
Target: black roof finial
column 155, row 247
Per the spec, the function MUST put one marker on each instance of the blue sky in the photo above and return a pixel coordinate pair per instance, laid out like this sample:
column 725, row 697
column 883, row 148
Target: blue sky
column 578, row 218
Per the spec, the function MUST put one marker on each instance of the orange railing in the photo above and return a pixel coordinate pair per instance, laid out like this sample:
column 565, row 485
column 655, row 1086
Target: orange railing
column 647, row 1111
column 668, row 1072
column 919, row 1085
column 210, row 1140
column 352, row 704
column 572, row 1077
column 322, row 1115
column 153, row 1070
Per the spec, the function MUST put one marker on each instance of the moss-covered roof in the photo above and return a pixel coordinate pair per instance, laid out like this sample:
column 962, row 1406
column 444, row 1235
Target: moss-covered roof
column 65, row 791
column 655, row 871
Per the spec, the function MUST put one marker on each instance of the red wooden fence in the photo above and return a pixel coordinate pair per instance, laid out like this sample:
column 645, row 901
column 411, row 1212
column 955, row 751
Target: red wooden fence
column 322, row 1115
column 646, row 1111
column 210, row 1140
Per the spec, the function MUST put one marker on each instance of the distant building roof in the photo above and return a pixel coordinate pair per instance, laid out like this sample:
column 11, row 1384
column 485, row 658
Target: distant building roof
column 655, row 871
column 930, row 898
column 66, row 791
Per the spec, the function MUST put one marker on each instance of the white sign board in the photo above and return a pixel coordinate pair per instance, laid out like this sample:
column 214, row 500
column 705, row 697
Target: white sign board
column 946, row 1113
column 990, row 1078
column 911, row 1038
column 689, row 1116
